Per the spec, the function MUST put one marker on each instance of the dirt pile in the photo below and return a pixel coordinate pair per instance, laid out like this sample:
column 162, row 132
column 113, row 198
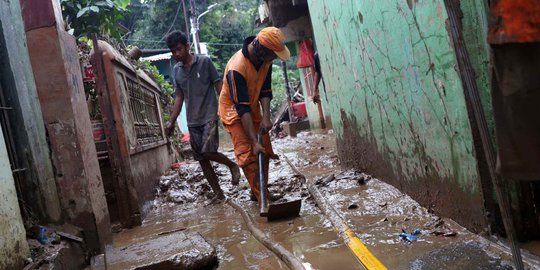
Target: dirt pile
column 187, row 185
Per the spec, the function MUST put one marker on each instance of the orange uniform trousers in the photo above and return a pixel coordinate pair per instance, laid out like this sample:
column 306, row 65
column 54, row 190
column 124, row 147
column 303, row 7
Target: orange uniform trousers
column 244, row 155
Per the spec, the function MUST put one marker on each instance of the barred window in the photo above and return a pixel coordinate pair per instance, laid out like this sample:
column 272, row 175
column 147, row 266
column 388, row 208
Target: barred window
column 144, row 107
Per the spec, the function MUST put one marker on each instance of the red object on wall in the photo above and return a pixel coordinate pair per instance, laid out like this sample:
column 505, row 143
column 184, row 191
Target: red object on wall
column 88, row 75
column 514, row 21
column 97, row 130
column 299, row 109
column 306, row 54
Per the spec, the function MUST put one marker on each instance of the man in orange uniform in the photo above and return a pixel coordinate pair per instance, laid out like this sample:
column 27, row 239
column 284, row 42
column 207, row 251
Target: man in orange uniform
column 247, row 88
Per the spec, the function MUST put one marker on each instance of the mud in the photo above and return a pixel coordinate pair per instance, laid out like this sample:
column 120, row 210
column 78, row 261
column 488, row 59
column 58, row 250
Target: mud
column 376, row 211
column 364, row 154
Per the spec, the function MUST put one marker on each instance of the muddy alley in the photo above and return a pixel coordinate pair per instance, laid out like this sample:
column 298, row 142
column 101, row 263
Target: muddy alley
column 406, row 134
column 377, row 212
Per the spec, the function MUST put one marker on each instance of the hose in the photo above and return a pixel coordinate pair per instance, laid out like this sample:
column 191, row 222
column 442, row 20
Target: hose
column 283, row 254
column 366, row 258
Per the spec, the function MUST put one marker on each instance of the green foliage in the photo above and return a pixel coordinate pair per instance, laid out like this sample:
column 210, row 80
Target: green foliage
column 157, row 17
column 224, row 28
column 166, row 87
column 84, row 17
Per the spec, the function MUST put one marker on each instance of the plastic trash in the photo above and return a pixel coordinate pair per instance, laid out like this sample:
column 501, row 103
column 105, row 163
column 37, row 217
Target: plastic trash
column 42, row 238
column 410, row 237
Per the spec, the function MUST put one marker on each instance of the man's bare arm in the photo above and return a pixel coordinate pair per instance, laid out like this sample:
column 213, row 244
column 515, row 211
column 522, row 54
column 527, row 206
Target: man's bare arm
column 178, row 101
column 218, row 85
column 249, row 129
column 266, row 122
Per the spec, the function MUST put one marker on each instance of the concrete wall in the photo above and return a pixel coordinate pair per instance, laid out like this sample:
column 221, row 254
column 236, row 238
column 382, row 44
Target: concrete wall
column 141, row 156
column 55, row 63
column 26, row 122
column 396, row 100
column 13, row 247
column 148, row 166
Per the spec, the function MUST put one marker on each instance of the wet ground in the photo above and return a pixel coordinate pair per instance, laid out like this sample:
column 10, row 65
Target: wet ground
column 377, row 212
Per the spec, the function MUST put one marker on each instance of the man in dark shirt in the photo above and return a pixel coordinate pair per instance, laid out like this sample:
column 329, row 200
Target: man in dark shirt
column 197, row 82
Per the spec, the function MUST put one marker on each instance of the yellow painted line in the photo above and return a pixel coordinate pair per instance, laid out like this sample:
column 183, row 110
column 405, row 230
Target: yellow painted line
column 366, row 258
column 362, row 252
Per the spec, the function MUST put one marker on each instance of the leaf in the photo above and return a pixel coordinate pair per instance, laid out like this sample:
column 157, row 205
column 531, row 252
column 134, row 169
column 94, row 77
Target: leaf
column 94, row 9
column 102, row 4
column 71, row 31
column 82, row 11
column 122, row 3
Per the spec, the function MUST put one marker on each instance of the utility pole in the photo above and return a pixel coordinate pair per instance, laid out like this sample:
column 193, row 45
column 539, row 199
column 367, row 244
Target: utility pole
column 194, row 27
column 185, row 16
column 287, row 91
column 195, row 24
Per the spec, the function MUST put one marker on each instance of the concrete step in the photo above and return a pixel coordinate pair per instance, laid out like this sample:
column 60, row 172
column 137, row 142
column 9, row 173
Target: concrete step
column 178, row 250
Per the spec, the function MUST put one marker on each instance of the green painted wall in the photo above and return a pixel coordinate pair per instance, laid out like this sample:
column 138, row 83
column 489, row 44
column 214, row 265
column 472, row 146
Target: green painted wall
column 19, row 91
column 13, row 246
column 396, row 100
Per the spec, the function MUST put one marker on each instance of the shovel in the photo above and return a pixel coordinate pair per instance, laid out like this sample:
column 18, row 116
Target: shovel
column 278, row 210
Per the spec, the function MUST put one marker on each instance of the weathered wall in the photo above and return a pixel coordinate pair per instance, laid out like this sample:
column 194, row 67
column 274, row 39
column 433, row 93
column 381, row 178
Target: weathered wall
column 140, row 143
column 13, row 247
column 26, row 122
column 55, row 62
column 148, row 166
column 396, row 100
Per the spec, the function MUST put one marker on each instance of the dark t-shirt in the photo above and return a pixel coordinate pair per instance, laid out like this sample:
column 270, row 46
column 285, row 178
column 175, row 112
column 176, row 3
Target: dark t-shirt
column 197, row 85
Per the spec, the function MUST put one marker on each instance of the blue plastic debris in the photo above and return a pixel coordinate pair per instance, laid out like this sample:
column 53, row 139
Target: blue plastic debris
column 43, row 236
column 410, row 237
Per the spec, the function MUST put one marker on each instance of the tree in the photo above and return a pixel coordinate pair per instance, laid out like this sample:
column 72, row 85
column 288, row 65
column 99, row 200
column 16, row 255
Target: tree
column 224, row 28
column 83, row 17
column 158, row 18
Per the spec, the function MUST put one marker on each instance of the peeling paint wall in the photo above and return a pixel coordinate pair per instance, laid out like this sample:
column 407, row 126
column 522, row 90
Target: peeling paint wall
column 143, row 149
column 58, row 77
column 29, row 135
column 396, row 100
column 13, row 247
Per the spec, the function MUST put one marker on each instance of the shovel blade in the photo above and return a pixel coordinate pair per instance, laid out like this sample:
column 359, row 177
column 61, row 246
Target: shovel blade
column 284, row 210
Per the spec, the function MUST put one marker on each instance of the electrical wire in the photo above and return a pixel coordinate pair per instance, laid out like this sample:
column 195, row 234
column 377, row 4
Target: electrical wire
column 172, row 24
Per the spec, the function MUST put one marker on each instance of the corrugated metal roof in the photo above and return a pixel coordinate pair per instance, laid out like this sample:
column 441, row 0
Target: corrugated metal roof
column 158, row 57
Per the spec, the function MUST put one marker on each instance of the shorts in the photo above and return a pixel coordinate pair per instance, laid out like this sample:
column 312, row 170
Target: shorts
column 204, row 139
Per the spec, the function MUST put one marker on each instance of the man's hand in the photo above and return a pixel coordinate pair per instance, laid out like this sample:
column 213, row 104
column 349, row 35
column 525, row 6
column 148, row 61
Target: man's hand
column 266, row 124
column 256, row 148
column 169, row 129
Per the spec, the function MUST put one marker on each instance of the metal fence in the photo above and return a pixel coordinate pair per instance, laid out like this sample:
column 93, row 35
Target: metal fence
column 144, row 107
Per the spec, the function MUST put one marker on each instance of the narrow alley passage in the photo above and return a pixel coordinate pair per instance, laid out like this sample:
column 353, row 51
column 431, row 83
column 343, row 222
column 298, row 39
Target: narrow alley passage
column 376, row 211
column 405, row 133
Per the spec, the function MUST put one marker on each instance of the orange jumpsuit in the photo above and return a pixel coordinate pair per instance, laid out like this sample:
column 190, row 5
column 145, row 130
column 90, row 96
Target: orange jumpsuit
column 230, row 100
